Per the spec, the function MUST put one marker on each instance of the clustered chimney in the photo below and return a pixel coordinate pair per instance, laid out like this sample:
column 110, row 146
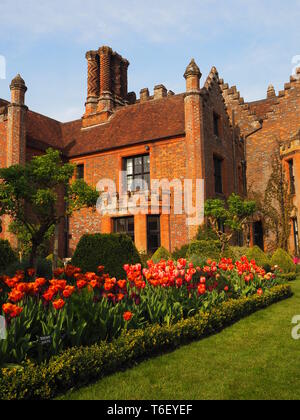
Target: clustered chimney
column 107, row 84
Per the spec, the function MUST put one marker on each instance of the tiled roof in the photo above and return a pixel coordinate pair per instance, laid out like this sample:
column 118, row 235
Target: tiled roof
column 43, row 132
column 139, row 123
column 130, row 125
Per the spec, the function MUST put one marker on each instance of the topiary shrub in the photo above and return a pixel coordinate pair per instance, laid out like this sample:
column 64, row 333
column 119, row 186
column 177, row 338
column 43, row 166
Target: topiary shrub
column 161, row 254
column 205, row 233
column 238, row 252
column 111, row 250
column 284, row 261
column 180, row 252
column 7, row 255
column 205, row 249
column 261, row 259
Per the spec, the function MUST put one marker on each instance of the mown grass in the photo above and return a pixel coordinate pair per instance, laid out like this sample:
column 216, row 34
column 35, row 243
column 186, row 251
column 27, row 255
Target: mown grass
column 255, row 358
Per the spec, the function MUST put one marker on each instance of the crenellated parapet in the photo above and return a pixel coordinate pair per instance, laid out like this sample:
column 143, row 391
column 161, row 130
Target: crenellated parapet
column 247, row 120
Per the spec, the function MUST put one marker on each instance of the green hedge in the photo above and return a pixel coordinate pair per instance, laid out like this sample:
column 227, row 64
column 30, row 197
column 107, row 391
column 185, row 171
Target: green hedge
column 161, row 254
column 238, row 252
column 288, row 277
column 7, row 255
column 205, row 249
column 180, row 252
column 261, row 259
column 80, row 366
column 110, row 250
column 284, row 261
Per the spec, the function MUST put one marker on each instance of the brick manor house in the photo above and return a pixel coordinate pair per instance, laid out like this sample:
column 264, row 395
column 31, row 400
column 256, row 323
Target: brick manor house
column 207, row 132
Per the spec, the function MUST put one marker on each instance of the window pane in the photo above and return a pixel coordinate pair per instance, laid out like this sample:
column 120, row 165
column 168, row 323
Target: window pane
column 146, row 163
column 138, row 184
column 129, row 166
column 153, row 233
column 138, row 173
column 138, row 165
column 130, row 183
column 218, row 175
column 80, row 172
column 131, row 225
column 124, row 225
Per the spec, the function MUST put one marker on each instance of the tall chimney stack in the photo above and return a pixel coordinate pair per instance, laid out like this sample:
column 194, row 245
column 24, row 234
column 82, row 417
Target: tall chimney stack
column 107, row 85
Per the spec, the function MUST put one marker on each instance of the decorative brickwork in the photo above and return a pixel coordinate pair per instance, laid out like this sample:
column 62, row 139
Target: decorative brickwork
column 93, row 81
column 184, row 135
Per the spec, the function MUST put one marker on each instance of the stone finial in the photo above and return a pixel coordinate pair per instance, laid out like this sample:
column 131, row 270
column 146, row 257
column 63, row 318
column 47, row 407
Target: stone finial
column 192, row 70
column 18, row 90
column 271, row 92
column 18, row 83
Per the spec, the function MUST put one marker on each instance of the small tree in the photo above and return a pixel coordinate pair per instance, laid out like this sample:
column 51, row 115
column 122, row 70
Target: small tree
column 277, row 205
column 29, row 194
column 226, row 218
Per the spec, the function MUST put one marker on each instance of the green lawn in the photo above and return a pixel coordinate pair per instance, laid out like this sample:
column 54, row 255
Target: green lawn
column 254, row 359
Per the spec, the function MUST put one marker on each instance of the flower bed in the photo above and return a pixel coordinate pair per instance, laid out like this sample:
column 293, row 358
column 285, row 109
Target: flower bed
column 76, row 309
column 80, row 366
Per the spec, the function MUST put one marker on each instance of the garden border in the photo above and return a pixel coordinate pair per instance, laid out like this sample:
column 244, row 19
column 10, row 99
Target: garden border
column 81, row 366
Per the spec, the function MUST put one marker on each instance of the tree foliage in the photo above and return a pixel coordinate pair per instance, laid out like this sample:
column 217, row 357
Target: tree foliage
column 226, row 218
column 30, row 194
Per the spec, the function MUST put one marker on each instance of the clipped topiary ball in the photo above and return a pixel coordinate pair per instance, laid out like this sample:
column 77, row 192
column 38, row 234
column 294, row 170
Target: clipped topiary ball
column 161, row 254
column 261, row 259
column 112, row 251
column 205, row 249
column 238, row 252
column 284, row 261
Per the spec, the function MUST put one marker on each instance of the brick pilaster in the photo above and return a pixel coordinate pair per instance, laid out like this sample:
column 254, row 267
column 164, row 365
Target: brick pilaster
column 16, row 127
column 194, row 132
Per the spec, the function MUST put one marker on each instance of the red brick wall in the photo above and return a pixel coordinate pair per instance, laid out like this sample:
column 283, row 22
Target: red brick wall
column 167, row 160
column 221, row 147
column 3, row 127
column 282, row 124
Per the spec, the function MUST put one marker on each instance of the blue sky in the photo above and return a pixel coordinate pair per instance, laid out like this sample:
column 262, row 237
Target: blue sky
column 251, row 43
